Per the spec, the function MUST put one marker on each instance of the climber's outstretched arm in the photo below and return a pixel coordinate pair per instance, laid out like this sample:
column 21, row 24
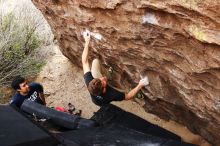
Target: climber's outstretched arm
column 133, row 92
column 85, row 62
column 143, row 82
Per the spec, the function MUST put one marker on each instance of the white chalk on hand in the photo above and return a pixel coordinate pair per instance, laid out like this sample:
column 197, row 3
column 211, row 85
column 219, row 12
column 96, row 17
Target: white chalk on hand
column 86, row 33
column 96, row 35
column 93, row 34
column 144, row 81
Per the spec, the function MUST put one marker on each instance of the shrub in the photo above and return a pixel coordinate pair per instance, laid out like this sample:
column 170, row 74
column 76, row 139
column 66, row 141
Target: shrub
column 18, row 43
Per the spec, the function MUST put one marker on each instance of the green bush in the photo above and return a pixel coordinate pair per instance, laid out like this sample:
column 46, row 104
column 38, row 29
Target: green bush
column 18, row 44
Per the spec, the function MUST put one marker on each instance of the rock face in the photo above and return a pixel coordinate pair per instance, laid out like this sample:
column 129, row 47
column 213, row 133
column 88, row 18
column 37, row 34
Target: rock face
column 175, row 42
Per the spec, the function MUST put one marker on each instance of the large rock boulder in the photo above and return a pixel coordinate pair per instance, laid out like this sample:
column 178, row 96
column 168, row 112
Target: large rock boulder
column 175, row 42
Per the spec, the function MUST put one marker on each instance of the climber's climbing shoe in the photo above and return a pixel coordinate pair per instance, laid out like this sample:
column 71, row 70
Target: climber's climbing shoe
column 110, row 73
column 139, row 95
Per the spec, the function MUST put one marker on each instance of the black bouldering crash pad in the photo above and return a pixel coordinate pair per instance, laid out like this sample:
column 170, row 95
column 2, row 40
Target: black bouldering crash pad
column 120, row 128
column 112, row 114
column 114, row 135
column 16, row 129
column 62, row 119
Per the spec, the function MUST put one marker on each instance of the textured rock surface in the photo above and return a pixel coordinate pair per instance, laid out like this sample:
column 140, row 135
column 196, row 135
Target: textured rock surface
column 175, row 42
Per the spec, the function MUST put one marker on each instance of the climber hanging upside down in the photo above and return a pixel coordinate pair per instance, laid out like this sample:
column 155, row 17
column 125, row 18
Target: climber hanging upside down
column 97, row 84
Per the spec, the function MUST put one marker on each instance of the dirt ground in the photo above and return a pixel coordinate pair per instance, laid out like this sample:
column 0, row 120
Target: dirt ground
column 63, row 83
